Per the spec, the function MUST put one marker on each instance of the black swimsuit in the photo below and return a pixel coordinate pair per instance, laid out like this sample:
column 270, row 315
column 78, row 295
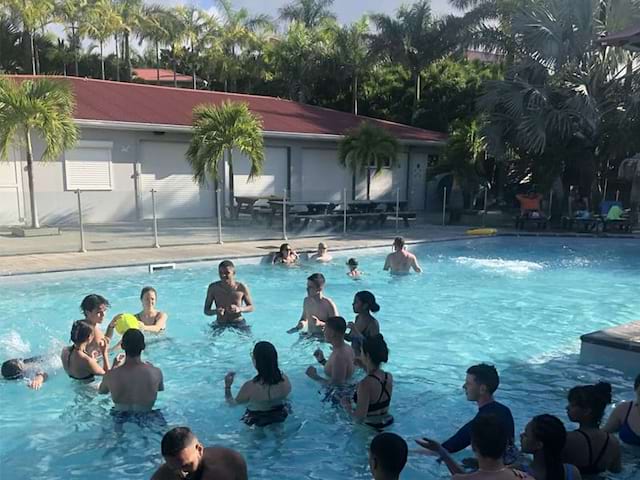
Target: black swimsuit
column 91, row 376
column 593, row 467
column 379, row 405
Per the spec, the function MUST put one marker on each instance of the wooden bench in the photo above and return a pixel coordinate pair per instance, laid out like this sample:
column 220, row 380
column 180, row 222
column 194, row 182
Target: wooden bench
column 404, row 216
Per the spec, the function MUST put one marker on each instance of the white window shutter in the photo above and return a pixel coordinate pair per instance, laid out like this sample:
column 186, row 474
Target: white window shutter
column 88, row 166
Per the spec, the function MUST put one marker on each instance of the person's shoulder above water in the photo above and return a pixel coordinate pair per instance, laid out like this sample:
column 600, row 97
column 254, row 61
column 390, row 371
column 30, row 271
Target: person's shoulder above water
column 221, row 463
column 504, row 474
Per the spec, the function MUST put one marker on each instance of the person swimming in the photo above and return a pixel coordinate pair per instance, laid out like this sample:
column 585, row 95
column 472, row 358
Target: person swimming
column 625, row 419
column 316, row 308
column 365, row 325
column 27, row 368
column 76, row 361
column 151, row 320
column 266, row 393
column 285, row 256
column 373, row 395
column 353, row 272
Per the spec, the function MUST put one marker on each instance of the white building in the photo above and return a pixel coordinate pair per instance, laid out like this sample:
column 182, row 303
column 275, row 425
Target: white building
column 134, row 138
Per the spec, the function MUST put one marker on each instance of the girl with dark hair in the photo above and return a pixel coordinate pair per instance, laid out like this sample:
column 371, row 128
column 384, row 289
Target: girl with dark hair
column 590, row 449
column 365, row 326
column 625, row 419
column 151, row 320
column 285, row 256
column 78, row 364
column 373, row 394
column 266, row 393
column 544, row 438
column 94, row 308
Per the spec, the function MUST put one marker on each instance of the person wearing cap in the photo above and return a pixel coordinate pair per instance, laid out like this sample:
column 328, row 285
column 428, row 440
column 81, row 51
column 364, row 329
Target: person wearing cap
column 134, row 385
column 322, row 255
column 353, row 272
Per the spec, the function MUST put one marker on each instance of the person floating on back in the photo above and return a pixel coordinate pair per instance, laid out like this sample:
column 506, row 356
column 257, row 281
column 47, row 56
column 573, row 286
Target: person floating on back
column 590, row 449
column 151, row 320
column 353, row 272
column 322, row 255
column 231, row 298
column 480, row 384
column 134, row 385
column 387, row 456
column 266, row 393
column 316, row 308
column 625, row 419
column 187, row 459
column 339, row 368
column 401, row 261
column 25, row 368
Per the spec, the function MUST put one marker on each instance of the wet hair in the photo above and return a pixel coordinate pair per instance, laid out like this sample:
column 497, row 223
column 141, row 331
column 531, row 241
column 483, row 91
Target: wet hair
column 91, row 302
column 551, row 432
column 391, row 452
column 176, row 440
column 369, row 298
column 398, row 242
column 284, row 246
column 486, row 375
column 146, row 290
column 352, row 262
column 133, row 342
column 337, row 324
column 266, row 358
column 80, row 331
column 594, row 397
column 226, row 264
column 489, row 436
column 322, row 246
column 12, row 369
column 318, row 279
column 376, row 348
column 636, row 384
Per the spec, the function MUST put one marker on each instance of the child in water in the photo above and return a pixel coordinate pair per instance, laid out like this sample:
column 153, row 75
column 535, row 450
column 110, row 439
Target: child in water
column 353, row 272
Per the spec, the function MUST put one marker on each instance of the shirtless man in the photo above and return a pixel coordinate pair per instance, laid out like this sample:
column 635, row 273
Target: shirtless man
column 94, row 307
column 339, row 368
column 322, row 255
column 187, row 459
column 316, row 308
column 134, row 386
column 231, row 298
column 401, row 261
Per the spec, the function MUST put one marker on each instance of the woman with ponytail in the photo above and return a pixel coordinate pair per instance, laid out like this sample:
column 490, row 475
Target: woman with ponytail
column 78, row 364
column 365, row 325
column 590, row 449
column 544, row 438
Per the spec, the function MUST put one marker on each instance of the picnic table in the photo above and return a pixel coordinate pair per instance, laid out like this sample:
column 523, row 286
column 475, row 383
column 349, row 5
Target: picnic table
column 312, row 208
column 246, row 204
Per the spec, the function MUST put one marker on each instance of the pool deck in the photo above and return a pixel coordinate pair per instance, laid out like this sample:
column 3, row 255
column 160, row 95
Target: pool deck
column 617, row 347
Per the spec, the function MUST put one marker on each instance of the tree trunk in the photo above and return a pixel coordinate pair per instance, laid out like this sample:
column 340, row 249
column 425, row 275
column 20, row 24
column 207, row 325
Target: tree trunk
column 355, row 93
column 75, row 48
column 33, row 53
column 175, row 78
column 32, row 193
column 194, row 77
column 127, row 56
column 117, row 59
column 416, row 98
column 231, row 184
column 101, row 59
column 368, row 183
column 157, row 63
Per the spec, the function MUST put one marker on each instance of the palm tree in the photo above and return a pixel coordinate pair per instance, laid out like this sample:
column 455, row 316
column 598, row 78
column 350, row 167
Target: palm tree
column 156, row 28
column 415, row 40
column 71, row 13
column 33, row 14
column 131, row 14
column 102, row 21
column 221, row 129
column 196, row 27
column 353, row 54
column 41, row 106
column 367, row 148
column 311, row 13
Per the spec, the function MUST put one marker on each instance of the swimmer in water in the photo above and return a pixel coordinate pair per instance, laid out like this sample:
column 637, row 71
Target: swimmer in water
column 316, row 308
column 27, row 368
column 76, row 360
column 134, row 386
column 231, row 298
column 401, row 261
column 365, row 325
column 322, row 255
column 266, row 393
column 285, row 256
column 339, row 368
column 94, row 307
column 151, row 320
column 187, row 459
column 353, row 272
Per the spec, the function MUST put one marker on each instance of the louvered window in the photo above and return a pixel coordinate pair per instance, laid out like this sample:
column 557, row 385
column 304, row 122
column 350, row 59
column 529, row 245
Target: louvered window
column 88, row 166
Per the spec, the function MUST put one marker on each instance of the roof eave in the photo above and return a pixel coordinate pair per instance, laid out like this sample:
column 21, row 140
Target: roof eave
column 161, row 127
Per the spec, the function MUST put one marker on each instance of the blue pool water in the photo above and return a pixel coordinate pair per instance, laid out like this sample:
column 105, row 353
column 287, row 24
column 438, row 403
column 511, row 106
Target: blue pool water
column 517, row 302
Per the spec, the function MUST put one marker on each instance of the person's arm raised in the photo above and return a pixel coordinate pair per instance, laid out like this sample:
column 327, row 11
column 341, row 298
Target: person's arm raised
column 244, row 395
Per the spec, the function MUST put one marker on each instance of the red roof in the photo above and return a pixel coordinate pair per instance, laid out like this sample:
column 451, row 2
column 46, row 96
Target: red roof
column 166, row 76
column 109, row 101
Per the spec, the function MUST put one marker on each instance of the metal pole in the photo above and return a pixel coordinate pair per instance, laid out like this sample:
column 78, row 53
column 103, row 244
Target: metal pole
column 219, row 215
column 606, row 185
column 550, row 201
column 344, row 213
column 397, row 207
column 284, row 215
column 155, row 219
column 617, row 195
column 444, row 206
column 484, row 214
column 570, row 196
column 82, row 247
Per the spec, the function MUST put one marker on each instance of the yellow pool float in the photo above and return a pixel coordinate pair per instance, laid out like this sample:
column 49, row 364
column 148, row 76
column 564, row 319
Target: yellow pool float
column 482, row 231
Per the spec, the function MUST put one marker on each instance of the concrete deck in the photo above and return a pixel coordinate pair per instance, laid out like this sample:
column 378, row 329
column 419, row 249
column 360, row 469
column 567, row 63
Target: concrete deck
column 617, row 347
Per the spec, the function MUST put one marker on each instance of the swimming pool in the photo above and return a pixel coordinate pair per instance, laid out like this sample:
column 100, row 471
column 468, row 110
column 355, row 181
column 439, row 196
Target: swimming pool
column 520, row 303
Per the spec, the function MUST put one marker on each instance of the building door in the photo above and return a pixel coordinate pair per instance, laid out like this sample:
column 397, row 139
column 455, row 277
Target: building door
column 417, row 181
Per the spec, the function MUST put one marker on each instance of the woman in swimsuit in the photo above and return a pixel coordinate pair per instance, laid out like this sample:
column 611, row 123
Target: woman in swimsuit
column 94, row 308
column 78, row 364
column 625, row 419
column 590, row 449
column 266, row 393
column 373, row 394
column 544, row 438
column 151, row 320
column 285, row 256
column 365, row 326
